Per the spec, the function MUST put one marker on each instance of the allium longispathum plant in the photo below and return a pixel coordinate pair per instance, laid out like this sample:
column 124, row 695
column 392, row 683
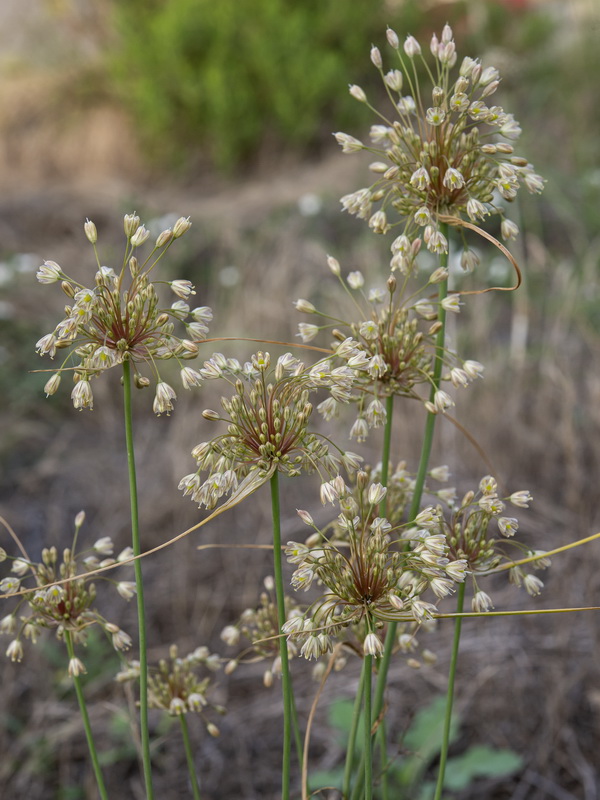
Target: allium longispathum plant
column 119, row 322
column 62, row 599
column 268, row 432
column 445, row 159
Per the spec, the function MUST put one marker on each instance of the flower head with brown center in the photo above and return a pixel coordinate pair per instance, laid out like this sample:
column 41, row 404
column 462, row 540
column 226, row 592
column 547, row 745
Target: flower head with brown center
column 267, row 424
column 59, row 599
column 175, row 687
column 378, row 574
column 121, row 318
column 445, row 153
column 472, row 530
column 390, row 345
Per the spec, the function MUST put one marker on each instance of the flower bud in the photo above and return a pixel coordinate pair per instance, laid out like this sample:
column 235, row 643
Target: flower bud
column 182, row 226
column 90, row 231
column 357, row 93
column 131, row 223
column 376, row 57
column 164, row 237
column 392, row 38
column 140, row 236
column 411, row 47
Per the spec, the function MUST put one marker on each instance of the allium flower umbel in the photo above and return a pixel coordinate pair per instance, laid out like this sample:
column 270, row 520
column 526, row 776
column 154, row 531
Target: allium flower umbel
column 267, row 424
column 121, row 317
column 445, row 151
column 390, row 346
column 175, row 686
column 378, row 574
column 260, row 627
column 62, row 607
column 480, row 531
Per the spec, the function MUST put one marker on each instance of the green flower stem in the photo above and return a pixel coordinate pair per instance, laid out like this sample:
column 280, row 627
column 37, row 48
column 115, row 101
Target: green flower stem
column 367, row 673
column 351, row 747
column 386, row 449
column 385, row 468
column 421, row 473
column 137, row 564
column 460, row 598
column 296, row 727
column 86, row 722
column 189, row 757
column 285, row 667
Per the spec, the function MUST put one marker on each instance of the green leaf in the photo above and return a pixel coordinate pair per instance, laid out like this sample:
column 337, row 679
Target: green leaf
column 480, row 762
column 424, row 739
column 329, row 778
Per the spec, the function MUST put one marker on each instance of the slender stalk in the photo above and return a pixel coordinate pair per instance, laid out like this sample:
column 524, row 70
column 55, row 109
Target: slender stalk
column 385, row 464
column 86, row 722
column 368, row 747
column 460, row 598
column 421, row 473
column 386, row 448
column 189, row 757
column 296, row 728
column 285, row 667
column 139, row 585
column 351, row 746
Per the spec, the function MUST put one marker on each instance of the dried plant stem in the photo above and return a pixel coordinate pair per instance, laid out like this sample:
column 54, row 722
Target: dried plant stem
column 351, row 746
column 421, row 473
column 460, row 598
column 136, row 546
column 86, row 722
column 285, row 668
column 189, row 757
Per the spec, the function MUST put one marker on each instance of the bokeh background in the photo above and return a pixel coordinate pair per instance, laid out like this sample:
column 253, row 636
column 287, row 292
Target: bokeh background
column 224, row 112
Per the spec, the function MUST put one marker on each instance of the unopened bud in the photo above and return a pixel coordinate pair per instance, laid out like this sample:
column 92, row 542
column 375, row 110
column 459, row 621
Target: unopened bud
column 67, row 289
column 357, row 93
column 376, row 57
column 210, row 415
column 131, row 223
column 392, row 38
column 164, row 237
column 334, row 265
column 140, row 236
column 182, row 226
column 90, row 231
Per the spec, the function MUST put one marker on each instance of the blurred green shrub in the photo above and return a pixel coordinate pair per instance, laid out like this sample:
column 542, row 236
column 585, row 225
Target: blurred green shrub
column 221, row 78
